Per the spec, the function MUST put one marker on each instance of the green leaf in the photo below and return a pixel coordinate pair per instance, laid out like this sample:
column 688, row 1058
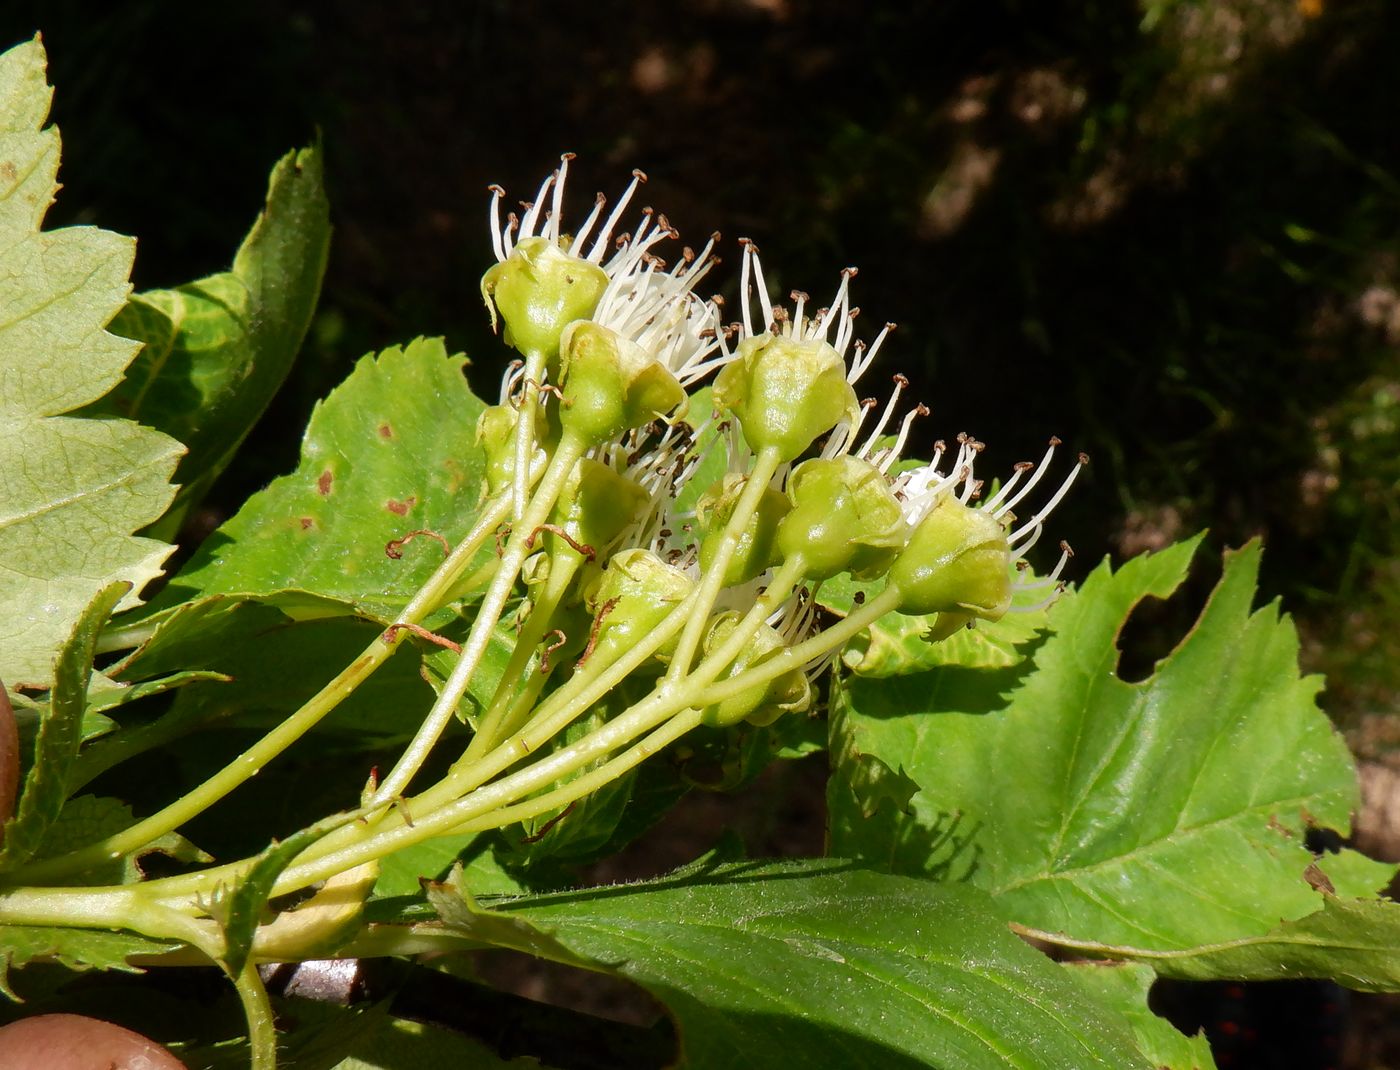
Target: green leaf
column 1124, row 987
column 217, row 350
column 816, row 964
column 46, row 785
column 72, row 490
column 390, row 451
column 1133, row 813
column 78, row 949
column 88, row 818
column 1354, row 942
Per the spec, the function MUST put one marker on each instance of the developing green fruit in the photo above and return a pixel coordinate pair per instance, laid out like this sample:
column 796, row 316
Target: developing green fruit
column 957, row 562
column 756, row 550
column 764, row 703
column 634, row 594
column 538, row 291
column 595, row 507
column 844, row 519
column 785, row 392
column 611, row 384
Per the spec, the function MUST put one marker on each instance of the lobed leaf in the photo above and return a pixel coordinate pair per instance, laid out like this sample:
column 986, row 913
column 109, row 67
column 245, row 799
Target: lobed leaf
column 1162, row 814
column 72, row 490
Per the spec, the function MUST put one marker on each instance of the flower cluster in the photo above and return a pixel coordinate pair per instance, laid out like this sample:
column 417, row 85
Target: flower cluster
column 596, row 433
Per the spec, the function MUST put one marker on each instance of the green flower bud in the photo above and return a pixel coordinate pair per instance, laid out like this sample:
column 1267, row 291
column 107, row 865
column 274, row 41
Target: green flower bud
column 785, row 393
column 538, row 291
column 595, row 507
column 957, row 562
column 763, row 703
column 844, row 519
column 757, row 549
column 631, row 597
column 611, row 384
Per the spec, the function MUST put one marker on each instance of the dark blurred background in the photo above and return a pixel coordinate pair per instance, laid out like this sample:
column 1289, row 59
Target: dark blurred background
column 1165, row 230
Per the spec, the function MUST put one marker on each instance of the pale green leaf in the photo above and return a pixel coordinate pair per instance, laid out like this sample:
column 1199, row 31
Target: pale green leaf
column 1161, row 814
column 72, row 490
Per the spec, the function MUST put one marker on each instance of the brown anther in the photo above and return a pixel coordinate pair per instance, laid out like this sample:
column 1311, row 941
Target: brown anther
column 869, row 403
column 977, row 489
column 544, row 829
column 858, row 598
column 688, row 254
column 921, row 409
column 566, row 156
column 1055, row 441
column 850, row 272
column 1023, row 466
column 940, row 446
column 1083, row 458
column 1022, row 564
column 391, row 633
column 1066, row 548
column 639, row 174
column 526, row 206
column 600, row 199
column 901, row 380
column 603, row 610
column 798, row 295
column 582, row 548
column 498, row 190
column 853, row 313
column 550, row 649
column 502, row 532
column 394, row 547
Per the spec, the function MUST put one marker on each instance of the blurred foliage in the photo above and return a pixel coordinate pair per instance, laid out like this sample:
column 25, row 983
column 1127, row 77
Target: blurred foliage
column 1168, row 231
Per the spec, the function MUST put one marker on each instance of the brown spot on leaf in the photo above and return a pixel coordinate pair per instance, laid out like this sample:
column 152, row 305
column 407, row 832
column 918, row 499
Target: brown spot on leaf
column 400, row 508
column 385, row 431
column 1281, row 829
column 8, row 171
column 323, row 482
column 1318, row 880
column 306, row 523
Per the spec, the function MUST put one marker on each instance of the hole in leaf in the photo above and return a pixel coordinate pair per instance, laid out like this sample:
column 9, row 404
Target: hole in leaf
column 1157, row 626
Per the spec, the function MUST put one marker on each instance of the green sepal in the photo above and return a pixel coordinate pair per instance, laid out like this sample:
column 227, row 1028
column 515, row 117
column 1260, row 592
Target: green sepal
column 538, row 291
column 844, row 519
column 958, row 561
column 763, row 703
column 757, row 549
column 785, row 393
column 611, row 384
